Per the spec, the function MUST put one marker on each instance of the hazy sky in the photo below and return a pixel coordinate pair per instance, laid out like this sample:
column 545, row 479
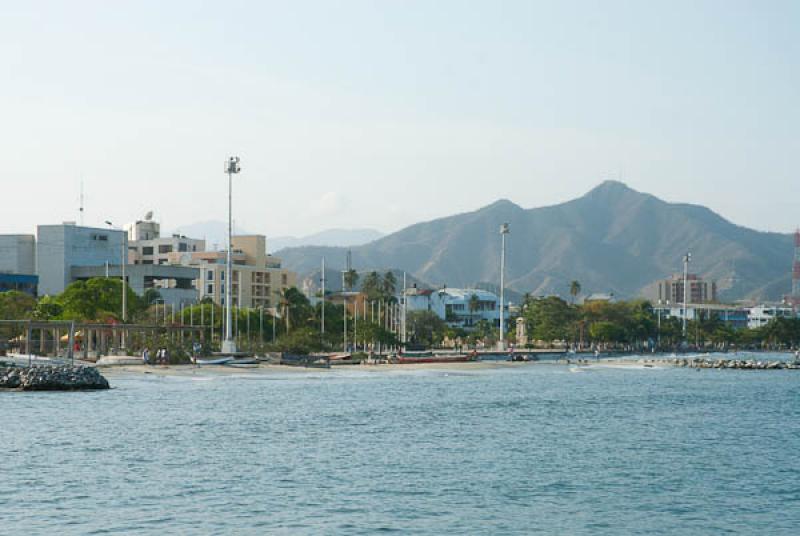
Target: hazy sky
column 381, row 113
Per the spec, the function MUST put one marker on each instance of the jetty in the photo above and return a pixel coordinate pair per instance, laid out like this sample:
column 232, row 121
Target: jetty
column 52, row 378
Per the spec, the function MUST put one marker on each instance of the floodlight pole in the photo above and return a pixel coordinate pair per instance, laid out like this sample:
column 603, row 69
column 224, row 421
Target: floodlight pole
column 686, row 260
column 504, row 230
column 229, row 345
column 124, row 261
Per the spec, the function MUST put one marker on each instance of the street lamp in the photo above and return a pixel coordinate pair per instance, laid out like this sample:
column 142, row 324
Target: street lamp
column 229, row 345
column 504, row 230
column 124, row 261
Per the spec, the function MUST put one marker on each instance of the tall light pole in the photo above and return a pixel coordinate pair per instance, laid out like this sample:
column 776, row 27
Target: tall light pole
column 504, row 230
column 229, row 345
column 124, row 284
column 322, row 281
column 686, row 260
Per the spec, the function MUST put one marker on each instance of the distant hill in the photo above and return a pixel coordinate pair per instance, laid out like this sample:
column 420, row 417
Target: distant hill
column 329, row 237
column 216, row 232
column 613, row 239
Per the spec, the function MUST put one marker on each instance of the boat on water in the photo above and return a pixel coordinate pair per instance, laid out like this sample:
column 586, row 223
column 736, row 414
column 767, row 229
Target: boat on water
column 408, row 358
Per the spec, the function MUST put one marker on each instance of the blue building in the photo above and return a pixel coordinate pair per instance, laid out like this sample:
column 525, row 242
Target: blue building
column 22, row 282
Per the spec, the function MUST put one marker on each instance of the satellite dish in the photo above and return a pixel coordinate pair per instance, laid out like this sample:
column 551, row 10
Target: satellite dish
column 149, row 215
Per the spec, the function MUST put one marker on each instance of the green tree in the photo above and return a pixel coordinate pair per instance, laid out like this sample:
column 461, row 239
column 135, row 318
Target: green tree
column 574, row 290
column 425, row 328
column 350, row 279
column 372, row 286
column 389, row 285
column 549, row 319
column 98, row 299
column 473, row 304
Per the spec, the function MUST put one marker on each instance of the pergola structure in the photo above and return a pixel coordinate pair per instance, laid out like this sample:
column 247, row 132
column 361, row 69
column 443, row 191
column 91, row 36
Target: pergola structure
column 86, row 340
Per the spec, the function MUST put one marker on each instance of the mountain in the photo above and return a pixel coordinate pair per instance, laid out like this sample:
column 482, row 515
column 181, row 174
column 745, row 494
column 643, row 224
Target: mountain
column 214, row 232
column 329, row 237
column 613, row 239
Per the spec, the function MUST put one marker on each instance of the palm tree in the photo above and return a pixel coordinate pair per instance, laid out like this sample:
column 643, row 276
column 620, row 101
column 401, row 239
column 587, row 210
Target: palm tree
column 574, row 290
column 350, row 279
column 474, row 303
column 285, row 303
column 389, row 284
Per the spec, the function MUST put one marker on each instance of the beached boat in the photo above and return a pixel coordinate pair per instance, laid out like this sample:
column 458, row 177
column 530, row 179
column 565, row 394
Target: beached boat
column 213, row 361
column 305, row 360
column 431, row 357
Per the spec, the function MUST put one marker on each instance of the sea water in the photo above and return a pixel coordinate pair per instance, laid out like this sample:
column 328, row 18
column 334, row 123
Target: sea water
column 528, row 449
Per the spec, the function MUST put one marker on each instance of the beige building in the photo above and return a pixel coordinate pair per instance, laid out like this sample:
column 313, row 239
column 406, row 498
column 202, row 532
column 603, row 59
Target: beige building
column 700, row 290
column 258, row 278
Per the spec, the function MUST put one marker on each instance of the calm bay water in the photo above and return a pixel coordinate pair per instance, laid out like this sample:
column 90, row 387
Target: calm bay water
column 536, row 449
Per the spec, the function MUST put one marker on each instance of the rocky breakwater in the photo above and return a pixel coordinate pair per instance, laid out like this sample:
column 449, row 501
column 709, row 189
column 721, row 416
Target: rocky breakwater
column 52, row 378
column 738, row 364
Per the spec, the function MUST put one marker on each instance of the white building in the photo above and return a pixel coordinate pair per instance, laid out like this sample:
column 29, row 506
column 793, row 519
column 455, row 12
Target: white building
column 457, row 306
column 147, row 246
column 18, row 254
column 60, row 248
column 761, row 315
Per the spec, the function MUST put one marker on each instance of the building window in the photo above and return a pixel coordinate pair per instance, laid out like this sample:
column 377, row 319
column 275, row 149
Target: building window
column 147, row 250
column 147, row 262
column 222, row 276
column 165, row 248
column 210, row 289
column 183, row 247
column 210, row 275
column 100, row 237
column 162, row 261
column 284, row 279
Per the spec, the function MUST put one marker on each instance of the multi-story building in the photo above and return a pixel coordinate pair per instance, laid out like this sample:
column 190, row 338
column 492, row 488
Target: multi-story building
column 737, row 317
column 68, row 252
column 258, row 278
column 762, row 315
column 147, row 246
column 18, row 263
column 464, row 307
column 59, row 248
column 700, row 290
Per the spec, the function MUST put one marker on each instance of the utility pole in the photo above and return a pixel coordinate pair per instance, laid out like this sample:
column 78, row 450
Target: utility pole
column 504, row 230
column 686, row 260
column 124, row 261
column 322, row 282
column 229, row 345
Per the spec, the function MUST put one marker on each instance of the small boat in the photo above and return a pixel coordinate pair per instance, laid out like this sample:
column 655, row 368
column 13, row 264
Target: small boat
column 213, row 361
column 305, row 360
column 243, row 362
column 430, row 357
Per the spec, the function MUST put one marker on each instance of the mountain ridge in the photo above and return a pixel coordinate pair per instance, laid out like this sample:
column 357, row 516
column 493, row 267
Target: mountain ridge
column 611, row 239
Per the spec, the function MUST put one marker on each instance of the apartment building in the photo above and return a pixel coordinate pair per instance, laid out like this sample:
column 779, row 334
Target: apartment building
column 258, row 278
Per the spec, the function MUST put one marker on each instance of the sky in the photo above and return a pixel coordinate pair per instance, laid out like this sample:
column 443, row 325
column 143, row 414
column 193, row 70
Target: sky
column 384, row 113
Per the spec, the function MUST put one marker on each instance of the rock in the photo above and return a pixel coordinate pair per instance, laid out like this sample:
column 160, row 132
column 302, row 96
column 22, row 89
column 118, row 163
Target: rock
column 52, row 378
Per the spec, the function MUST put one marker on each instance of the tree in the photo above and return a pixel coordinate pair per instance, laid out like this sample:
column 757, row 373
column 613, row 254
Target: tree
column 574, row 290
column 16, row 305
column 97, row 299
column 372, row 286
column 550, row 319
column 389, row 285
column 350, row 279
column 425, row 328
column 473, row 304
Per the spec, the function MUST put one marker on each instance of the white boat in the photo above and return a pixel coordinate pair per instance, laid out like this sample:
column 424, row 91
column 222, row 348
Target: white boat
column 214, row 361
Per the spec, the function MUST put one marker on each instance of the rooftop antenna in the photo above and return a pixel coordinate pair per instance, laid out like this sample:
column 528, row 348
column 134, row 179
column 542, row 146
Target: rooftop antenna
column 80, row 210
